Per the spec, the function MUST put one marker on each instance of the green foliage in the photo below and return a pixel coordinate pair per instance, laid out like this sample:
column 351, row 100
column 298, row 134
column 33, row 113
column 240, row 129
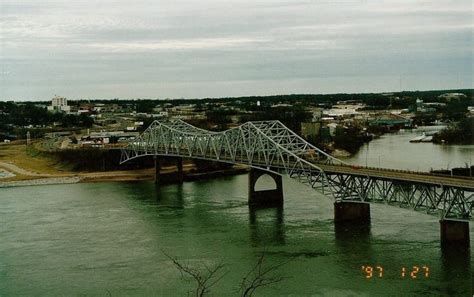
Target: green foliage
column 349, row 139
column 25, row 114
column 220, row 117
column 456, row 109
column 460, row 133
column 145, row 105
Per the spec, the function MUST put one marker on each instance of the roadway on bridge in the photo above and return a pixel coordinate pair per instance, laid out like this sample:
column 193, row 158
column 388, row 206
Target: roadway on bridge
column 462, row 182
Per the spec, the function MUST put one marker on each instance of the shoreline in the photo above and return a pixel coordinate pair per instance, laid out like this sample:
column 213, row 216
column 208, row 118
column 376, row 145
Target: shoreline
column 131, row 176
column 40, row 182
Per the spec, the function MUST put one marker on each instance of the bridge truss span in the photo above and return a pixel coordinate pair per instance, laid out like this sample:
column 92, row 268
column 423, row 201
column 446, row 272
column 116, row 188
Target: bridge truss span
column 447, row 201
column 271, row 146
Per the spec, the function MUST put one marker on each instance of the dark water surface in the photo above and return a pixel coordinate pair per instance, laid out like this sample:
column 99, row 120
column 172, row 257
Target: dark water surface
column 107, row 239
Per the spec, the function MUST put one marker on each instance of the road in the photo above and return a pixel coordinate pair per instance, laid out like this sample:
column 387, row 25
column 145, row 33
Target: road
column 462, row 182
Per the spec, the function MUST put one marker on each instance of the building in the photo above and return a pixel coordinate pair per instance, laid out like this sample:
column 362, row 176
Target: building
column 310, row 130
column 161, row 114
column 59, row 104
column 108, row 108
column 391, row 121
column 452, row 96
column 99, row 139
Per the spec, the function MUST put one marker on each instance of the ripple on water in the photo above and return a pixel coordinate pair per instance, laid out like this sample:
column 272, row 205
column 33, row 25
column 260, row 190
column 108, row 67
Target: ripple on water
column 85, row 239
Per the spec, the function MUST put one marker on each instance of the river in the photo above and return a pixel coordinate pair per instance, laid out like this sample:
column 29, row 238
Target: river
column 394, row 150
column 110, row 239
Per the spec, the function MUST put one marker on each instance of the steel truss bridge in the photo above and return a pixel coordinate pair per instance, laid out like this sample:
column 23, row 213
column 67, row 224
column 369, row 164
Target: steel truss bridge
column 272, row 147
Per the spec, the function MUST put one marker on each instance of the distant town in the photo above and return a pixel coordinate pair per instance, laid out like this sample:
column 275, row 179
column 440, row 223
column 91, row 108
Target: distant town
column 339, row 123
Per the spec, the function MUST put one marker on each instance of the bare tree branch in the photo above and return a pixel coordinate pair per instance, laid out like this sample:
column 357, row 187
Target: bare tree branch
column 205, row 278
column 260, row 276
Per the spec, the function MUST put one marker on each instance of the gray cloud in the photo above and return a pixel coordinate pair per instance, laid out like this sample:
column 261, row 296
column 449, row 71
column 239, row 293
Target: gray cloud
column 107, row 49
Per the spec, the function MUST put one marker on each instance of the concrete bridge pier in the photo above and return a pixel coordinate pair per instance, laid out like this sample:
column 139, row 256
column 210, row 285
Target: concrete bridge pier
column 174, row 177
column 453, row 231
column 351, row 211
column 272, row 197
column 179, row 172
column 157, row 169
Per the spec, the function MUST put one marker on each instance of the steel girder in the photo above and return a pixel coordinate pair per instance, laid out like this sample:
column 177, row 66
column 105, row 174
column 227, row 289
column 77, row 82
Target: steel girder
column 266, row 145
column 446, row 201
column 271, row 146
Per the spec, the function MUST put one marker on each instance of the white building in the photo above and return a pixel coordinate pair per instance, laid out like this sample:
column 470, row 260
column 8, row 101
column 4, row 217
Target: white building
column 59, row 104
column 452, row 96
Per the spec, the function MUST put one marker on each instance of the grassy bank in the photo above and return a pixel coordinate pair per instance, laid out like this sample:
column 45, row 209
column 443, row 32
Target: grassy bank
column 96, row 165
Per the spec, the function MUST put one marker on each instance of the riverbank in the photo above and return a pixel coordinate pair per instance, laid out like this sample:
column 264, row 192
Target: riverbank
column 41, row 182
column 27, row 166
column 21, row 169
column 129, row 176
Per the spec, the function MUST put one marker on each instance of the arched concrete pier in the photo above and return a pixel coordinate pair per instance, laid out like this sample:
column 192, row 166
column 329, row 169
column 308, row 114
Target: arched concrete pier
column 264, row 197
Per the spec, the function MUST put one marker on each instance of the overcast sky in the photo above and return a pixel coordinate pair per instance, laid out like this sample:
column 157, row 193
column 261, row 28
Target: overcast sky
column 214, row 48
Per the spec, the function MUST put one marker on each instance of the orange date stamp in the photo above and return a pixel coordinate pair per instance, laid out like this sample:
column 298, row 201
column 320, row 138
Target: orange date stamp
column 408, row 272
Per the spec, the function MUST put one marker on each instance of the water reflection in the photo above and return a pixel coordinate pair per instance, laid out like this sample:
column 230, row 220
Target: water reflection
column 354, row 239
column 266, row 225
column 456, row 270
column 171, row 196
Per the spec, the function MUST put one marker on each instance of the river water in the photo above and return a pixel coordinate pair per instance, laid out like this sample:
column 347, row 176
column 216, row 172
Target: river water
column 395, row 151
column 109, row 239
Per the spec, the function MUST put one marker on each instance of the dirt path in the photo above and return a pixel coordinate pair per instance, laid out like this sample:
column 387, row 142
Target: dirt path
column 18, row 170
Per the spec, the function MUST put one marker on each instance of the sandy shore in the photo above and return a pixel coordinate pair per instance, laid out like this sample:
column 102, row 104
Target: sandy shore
column 41, row 182
column 116, row 176
column 19, row 168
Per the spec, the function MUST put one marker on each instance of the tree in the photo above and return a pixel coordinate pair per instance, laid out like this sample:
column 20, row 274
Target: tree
column 205, row 278
column 459, row 133
column 260, row 276
column 145, row 105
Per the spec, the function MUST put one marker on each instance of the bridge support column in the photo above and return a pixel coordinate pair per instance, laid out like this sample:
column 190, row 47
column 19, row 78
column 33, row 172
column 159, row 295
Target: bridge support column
column 265, row 197
column 157, row 169
column 454, row 231
column 170, row 177
column 351, row 211
column 179, row 172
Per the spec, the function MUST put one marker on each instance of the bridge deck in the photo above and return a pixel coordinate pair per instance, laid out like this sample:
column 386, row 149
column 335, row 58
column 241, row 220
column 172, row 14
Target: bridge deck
column 419, row 177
